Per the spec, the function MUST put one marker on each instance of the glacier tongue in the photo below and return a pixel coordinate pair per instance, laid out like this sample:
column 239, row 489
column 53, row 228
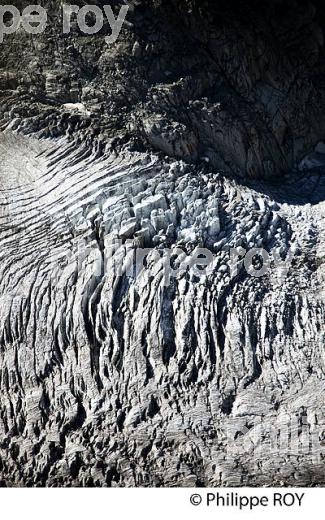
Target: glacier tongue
column 115, row 377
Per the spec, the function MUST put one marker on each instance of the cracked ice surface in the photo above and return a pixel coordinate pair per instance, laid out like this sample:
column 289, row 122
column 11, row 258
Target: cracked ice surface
column 121, row 380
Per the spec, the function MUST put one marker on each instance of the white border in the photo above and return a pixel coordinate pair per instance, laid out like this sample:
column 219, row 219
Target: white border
column 147, row 504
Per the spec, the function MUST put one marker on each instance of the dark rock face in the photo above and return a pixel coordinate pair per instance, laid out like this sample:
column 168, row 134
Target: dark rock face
column 241, row 83
column 113, row 376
